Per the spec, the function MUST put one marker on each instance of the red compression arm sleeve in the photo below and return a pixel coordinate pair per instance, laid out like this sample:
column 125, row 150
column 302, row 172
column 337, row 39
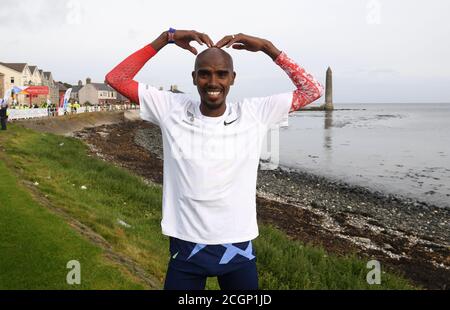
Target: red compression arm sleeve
column 308, row 88
column 121, row 77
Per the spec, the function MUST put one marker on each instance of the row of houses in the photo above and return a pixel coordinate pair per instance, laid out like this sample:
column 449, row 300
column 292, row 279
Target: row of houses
column 24, row 75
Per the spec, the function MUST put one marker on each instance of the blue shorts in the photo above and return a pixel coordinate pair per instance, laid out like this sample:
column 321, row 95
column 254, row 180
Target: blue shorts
column 190, row 264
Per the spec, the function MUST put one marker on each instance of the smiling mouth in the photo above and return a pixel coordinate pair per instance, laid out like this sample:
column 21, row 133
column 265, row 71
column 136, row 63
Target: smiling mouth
column 214, row 93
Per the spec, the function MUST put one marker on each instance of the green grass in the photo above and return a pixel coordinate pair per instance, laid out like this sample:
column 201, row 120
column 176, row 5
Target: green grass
column 290, row 264
column 36, row 245
column 61, row 166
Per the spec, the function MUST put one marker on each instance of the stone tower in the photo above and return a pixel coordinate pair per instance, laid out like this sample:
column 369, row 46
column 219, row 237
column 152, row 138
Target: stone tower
column 329, row 90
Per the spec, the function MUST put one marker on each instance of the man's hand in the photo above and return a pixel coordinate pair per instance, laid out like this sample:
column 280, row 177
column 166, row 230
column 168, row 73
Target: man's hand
column 253, row 44
column 183, row 38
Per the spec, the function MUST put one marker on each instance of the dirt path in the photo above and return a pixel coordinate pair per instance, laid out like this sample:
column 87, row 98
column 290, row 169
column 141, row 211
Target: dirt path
column 98, row 240
column 68, row 124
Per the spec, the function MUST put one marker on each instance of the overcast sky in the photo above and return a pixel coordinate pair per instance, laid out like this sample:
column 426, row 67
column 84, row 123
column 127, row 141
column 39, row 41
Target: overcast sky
column 379, row 50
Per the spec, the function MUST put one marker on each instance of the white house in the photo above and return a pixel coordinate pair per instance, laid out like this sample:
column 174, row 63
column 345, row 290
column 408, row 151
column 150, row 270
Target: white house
column 36, row 78
column 14, row 74
column 97, row 94
column 22, row 75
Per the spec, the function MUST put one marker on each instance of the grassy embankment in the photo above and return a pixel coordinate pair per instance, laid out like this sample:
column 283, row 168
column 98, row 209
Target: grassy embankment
column 36, row 243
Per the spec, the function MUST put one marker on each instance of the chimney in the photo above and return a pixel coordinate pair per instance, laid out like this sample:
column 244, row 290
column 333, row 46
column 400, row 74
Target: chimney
column 80, row 83
column 88, row 81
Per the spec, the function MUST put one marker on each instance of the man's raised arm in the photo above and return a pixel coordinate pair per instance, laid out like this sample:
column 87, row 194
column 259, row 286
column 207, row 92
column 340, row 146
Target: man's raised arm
column 308, row 88
column 121, row 77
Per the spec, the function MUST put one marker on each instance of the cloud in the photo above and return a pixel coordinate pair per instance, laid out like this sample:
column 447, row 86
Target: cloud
column 31, row 15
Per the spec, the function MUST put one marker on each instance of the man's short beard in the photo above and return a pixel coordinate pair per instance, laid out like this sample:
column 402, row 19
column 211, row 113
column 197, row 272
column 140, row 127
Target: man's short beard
column 214, row 106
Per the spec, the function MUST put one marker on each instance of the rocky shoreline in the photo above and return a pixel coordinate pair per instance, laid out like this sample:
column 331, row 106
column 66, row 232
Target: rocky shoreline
column 408, row 236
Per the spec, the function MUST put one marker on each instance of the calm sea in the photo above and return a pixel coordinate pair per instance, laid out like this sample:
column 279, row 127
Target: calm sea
column 396, row 148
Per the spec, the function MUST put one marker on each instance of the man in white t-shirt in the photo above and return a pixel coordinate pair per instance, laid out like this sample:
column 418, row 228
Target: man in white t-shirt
column 211, row 155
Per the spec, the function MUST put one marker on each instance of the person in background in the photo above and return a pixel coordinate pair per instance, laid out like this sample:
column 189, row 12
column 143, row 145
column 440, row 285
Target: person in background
column 3, row 114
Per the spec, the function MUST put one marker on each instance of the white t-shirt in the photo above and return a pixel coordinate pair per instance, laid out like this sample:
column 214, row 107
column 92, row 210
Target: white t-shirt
column 211, row 163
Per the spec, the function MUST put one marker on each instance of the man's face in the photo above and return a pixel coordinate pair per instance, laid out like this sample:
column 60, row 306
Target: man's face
column 213, row 77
